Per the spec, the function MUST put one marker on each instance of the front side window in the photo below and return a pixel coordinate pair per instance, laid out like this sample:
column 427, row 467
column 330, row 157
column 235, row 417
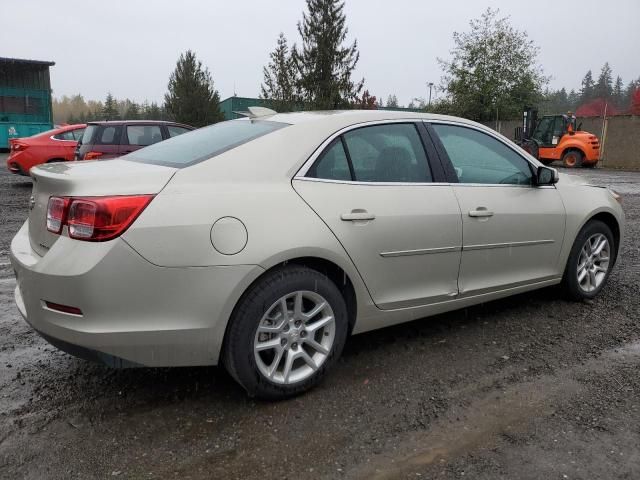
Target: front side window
column 480, row 158
column 143, row 135
column 381, row 153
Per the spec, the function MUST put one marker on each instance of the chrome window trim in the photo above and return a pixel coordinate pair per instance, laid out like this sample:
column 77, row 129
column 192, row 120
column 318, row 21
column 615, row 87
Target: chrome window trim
column 60, row 139
column 302, row 171
column 384, row 184
column 421, row 184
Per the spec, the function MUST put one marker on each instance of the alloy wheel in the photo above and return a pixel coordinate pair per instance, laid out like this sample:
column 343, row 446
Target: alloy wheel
column 294, row 337
column 593, row 262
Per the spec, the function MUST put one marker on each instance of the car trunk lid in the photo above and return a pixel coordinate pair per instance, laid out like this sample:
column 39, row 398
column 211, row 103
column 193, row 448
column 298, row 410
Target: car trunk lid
column 87, row 179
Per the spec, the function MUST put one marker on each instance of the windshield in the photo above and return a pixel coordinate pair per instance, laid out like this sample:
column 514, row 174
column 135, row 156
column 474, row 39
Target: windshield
column 202, row 144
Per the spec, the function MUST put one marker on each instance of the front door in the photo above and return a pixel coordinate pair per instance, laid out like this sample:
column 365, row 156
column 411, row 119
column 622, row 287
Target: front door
column 373, row 187
column 512, row 230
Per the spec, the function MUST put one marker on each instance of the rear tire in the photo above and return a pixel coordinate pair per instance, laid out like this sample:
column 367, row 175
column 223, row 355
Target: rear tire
column 590, row 261
column 276, row 346
column 572, row 159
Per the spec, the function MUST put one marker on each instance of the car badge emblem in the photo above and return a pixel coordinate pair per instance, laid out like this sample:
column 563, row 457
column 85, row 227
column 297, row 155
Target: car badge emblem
column 32, row 202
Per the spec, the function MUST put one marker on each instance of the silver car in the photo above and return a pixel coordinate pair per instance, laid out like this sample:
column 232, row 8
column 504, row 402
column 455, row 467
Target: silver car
column 261, row 244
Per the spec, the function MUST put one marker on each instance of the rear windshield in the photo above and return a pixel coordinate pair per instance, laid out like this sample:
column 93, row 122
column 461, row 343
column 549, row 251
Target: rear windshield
column 199, row 145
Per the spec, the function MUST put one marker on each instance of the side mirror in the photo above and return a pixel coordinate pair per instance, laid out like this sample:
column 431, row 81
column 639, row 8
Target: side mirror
column 547, row 176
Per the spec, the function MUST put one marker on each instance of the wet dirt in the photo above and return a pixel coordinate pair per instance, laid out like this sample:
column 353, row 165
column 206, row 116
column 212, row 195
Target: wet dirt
column 531, row 386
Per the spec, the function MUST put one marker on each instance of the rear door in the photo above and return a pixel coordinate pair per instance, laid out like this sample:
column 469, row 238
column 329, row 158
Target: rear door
column 100, row 142
column 512, row 230
column 376, row 189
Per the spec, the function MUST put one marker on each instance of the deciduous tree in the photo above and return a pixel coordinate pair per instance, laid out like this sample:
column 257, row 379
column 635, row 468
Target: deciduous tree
column 493, row 70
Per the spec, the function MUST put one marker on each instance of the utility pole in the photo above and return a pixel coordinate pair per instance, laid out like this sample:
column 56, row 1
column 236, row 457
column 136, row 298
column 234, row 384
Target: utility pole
column 430, row 85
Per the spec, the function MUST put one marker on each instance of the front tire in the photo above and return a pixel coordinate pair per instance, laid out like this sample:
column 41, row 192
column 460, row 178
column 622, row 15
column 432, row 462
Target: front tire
column 572, row 159
column 590, row 261
column 286, row 332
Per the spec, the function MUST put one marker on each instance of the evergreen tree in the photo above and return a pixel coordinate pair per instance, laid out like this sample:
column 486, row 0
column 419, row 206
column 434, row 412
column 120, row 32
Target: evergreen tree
column 153, row 112
column 192, row 98
column 280, row 79
column 392, row 101
column 493, row 71
column 133, row 111
column 629, row 91
column 618, row 93
column 110, row 108
column 588, row 87
column 604, row 87
column 323, row 63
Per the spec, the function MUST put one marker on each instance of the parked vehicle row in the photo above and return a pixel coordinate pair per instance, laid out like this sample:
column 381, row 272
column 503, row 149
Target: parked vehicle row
column 261, row 244
column 91, row 141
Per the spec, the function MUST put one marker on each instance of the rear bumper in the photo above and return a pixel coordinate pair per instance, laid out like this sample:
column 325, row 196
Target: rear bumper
column 133, row 313
column 14, row 165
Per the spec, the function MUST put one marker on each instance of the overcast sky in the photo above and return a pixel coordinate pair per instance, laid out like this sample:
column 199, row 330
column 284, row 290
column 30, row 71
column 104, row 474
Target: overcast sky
column 129, row 47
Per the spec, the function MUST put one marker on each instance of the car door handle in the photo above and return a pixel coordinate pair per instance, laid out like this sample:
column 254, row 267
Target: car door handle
column 481, row 212
column 357, row 215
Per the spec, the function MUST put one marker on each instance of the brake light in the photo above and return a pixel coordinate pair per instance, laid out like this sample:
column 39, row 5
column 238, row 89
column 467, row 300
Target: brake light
column 17, row 147
column 92, row 155
column 95, row 219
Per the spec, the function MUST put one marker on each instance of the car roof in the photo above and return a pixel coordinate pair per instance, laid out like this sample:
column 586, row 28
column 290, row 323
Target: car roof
column 137, row 122
column 343, row 118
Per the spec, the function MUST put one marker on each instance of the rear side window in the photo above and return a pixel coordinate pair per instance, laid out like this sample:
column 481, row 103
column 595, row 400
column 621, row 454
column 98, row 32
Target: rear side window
column 204, row 143
column 388, row 153
column 332, row 164
column 68, row 135
column 143, row 135
column 106, row 135
column 382, row 153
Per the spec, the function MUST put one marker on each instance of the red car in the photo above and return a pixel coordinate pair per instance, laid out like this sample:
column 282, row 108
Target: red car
column 57, row 145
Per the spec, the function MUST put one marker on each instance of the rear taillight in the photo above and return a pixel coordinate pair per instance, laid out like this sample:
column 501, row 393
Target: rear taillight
column 92, row 155
column 95, row 219
column 56, row 211
column 17, row 147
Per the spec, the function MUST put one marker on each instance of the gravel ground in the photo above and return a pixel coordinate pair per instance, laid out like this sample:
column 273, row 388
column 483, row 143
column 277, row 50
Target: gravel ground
column 527, row 387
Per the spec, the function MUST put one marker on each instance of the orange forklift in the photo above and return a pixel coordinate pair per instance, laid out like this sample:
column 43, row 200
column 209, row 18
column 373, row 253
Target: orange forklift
column 556, row 137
